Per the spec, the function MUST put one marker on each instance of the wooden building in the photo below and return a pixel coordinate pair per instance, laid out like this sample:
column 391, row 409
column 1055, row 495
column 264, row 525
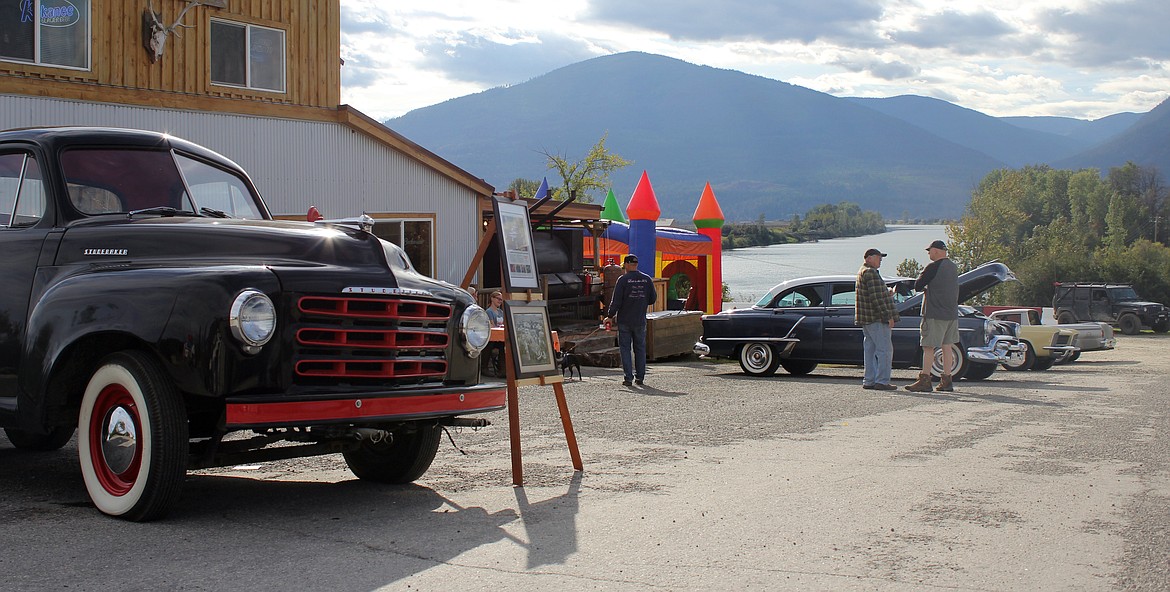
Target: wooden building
column 256, row 80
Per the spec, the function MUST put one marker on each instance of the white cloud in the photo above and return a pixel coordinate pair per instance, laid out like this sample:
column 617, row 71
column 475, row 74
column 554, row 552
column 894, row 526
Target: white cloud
column 1081, row 58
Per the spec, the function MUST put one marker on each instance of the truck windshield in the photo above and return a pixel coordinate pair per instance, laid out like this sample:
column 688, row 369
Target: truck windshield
column 1125, row 294
column 122, row 180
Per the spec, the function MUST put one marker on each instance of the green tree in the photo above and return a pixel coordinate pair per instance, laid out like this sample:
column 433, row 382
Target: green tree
column 1051, row 225
column 909, row 268
column 585, row 175
column 1088, row 203
column 1143, row 186
column 524, row 187
column 1120, row 222
column 843, row 219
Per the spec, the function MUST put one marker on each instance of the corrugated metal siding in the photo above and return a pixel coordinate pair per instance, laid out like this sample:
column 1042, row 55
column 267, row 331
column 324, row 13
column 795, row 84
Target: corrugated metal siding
column 296, row 164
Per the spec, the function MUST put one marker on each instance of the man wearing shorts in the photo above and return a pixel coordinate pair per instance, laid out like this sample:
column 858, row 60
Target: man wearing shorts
column 940, row 316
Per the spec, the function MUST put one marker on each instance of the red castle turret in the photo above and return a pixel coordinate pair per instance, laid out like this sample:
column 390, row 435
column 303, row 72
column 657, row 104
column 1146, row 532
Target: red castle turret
column 709, row 220
column 643, row 211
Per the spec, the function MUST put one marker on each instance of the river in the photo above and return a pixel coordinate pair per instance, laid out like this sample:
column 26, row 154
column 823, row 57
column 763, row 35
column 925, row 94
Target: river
column 751, row 272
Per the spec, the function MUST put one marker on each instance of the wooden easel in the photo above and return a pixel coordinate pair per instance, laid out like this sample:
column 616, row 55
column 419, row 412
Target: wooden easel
column 514, row 384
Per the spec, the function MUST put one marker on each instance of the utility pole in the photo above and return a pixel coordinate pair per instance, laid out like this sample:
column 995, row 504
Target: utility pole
column 1157, row 219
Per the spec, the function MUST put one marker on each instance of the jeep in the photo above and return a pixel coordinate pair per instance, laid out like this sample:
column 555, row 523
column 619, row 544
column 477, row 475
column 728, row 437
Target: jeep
column 152, row 305
column 1116, row 304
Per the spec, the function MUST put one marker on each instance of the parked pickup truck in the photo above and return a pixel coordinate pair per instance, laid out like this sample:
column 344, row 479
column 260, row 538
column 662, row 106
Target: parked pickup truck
column 1045, row 344
column 152, row 304
column 1091, row 336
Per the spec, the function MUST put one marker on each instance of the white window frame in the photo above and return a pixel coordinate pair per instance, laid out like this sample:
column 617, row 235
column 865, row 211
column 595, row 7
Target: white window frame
column 248, row 27
column 37, row 40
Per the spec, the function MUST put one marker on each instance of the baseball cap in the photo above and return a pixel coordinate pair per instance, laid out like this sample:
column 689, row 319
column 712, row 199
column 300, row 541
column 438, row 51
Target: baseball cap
column 630, row 259
column 937, row 245
column 874, row 252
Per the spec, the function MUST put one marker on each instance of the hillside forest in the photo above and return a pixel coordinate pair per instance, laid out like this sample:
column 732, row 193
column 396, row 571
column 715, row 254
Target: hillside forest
column 1052, row 225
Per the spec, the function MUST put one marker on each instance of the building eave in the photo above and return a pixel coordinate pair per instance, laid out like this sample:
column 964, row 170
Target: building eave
column 358, row 121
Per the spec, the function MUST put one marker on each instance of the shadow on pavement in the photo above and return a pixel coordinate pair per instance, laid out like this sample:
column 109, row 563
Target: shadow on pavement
column 261, row 534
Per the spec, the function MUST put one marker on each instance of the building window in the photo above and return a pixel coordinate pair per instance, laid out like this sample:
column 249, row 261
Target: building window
column 247, row 56
column 46, row 32
column 414, row 237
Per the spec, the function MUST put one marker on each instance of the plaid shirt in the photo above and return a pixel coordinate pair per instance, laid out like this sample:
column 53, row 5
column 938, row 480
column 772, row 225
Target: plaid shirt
column 874, row 302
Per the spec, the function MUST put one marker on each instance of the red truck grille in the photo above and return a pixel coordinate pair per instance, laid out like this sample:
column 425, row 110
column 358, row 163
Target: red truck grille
column 374, row 308
column 371, row 369
column 370, row 339
column 367, row 338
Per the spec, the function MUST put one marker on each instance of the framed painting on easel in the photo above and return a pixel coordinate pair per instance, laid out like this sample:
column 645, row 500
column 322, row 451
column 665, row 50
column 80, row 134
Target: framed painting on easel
column 530, row 336
column 514, row 233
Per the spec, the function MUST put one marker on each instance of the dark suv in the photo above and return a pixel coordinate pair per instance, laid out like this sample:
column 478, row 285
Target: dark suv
column 152, row 304
column 1117, row 304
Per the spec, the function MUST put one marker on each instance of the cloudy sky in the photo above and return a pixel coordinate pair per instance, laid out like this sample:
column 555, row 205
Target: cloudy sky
column 1072, row 58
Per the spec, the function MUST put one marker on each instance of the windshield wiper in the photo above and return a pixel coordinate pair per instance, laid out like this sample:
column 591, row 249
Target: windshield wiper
column 157, row 210
column 214, row 213
column 164, row 211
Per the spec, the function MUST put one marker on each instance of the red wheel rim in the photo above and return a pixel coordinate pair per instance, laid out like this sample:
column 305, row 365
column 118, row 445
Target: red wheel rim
column 111, row 398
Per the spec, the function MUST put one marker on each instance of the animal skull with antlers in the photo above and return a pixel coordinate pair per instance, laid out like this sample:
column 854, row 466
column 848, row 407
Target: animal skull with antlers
column 155, row 31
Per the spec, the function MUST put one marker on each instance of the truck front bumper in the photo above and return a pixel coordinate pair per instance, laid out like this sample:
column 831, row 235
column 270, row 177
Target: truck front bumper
column 372, row 407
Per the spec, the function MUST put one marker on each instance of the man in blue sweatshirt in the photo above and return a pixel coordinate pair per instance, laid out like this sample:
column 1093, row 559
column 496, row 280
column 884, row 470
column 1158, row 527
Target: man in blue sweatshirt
column 632, row 294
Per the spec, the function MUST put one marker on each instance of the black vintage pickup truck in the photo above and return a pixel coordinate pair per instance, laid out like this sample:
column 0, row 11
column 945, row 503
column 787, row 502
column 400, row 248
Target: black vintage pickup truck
column 152, row 304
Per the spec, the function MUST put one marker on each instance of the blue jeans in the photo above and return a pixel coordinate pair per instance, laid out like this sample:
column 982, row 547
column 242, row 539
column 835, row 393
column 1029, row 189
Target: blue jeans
column 878, row 352
column 633, row 337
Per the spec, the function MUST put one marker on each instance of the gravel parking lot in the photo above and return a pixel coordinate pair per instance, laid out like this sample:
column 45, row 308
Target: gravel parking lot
column 706, row 479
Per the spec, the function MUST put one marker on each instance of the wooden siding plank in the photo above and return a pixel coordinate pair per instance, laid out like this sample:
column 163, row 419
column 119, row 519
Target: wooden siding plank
column 120, row 61
column 332, row 66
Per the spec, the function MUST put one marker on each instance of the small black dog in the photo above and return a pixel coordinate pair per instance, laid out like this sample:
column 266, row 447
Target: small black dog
column 568, row 361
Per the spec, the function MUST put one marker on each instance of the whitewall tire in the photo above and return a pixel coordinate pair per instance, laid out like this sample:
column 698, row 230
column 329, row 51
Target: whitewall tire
column 132, row 438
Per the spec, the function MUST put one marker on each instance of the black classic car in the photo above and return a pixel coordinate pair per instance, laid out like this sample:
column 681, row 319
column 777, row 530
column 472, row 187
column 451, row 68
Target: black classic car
column 152, row 304
column 808, row 321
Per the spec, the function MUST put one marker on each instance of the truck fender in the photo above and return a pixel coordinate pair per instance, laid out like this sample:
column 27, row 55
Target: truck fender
column 197, row 347
column 154, row 309
column 131, row 304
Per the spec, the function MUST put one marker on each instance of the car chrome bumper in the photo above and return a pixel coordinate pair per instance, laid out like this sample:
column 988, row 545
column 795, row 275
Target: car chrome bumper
column 999, row 350
column 783, row 344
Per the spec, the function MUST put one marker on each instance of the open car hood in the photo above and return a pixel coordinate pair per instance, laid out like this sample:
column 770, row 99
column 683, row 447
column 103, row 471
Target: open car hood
column 971, row 284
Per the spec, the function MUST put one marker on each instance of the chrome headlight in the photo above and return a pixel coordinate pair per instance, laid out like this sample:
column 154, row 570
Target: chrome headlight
column 476, row 329
column 252, row 319
column 989, row 329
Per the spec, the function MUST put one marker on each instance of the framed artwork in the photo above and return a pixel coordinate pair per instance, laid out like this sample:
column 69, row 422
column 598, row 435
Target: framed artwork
column 514, row 234
column 530, row 336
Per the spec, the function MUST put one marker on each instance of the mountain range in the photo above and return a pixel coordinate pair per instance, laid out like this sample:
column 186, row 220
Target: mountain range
column 767, row 147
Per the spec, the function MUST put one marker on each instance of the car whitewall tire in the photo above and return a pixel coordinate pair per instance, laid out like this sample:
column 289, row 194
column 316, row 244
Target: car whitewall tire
column 959, row 357
column 758, row 359
column 132, row 438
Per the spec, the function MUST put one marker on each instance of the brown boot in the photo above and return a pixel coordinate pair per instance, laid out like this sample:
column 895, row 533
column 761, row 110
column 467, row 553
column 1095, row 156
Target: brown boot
column 944, row 384
column 922, row 385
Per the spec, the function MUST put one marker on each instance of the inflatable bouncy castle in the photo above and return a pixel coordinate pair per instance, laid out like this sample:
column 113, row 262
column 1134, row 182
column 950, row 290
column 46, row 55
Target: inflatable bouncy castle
column 691, row 262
